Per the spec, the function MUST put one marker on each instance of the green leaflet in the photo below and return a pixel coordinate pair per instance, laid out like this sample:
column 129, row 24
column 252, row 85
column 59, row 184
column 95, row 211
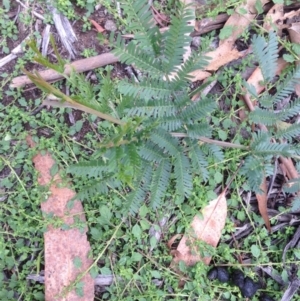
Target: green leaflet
column 166, row 142
column 267, row 54
column 177, row 38
column 138, row 195
column 146, row 89
column 141, row 22
column 199, row 161
column 183, row 176
column 160, row 183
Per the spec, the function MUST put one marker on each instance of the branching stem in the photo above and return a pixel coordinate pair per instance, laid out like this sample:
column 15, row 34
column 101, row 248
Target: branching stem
column 212, row 141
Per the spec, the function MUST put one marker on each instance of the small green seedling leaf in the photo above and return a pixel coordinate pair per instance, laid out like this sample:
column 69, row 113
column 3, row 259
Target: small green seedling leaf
column 296, row 48
column 22, row 101
column 218, row 177
column 94, row 272
column 242, row 11
column 6, row 4
column 226, row 32
column 54, row 169
column 78, row 125
column 156, row 274
column 255, row 251
column 77, row 262
column 79, row 289
column 222, row 135
column 105, row 271
column 137, row 231
column 136, row 256
column 259, row 7
column 153, row 242
column 288, row 58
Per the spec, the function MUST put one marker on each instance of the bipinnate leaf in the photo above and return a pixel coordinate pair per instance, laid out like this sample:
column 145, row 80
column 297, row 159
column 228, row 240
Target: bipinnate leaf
column 262, row 204
column 207, row 229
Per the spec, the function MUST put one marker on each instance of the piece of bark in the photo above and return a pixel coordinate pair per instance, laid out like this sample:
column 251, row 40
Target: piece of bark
column 64, row 30
column 14, row 53
column 209, row 24
column 262, row 200
column 66, row 249
column 78, row 66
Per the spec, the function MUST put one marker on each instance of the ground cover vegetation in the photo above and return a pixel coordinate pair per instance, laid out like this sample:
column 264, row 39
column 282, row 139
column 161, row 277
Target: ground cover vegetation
column 154, row 158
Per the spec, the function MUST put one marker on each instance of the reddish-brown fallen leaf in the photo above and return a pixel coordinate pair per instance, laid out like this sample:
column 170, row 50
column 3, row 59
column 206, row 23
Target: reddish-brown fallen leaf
column 207, row 230
column 273, row 19
column 226, row 52
column 97, row 26
column 66, row 250
column 159, row 18
column 208, row 24
column 262, row 200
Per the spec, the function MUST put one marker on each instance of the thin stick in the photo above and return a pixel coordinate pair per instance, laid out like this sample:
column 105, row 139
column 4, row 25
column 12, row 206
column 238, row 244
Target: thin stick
column 78, row 66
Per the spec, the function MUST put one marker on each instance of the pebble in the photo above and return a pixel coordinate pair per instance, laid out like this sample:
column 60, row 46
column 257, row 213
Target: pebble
column 110, row 25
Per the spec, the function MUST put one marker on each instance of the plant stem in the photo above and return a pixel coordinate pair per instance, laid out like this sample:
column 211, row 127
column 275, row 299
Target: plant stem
column 212, row 141
column 48, row 88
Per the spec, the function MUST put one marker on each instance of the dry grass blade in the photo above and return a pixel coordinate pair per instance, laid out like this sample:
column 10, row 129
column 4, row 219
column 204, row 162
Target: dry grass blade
column 64, row 29
column 262, row 200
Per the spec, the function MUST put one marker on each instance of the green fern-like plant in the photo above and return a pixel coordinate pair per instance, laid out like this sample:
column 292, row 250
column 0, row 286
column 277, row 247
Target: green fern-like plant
column 160, row 137
column 149, row 153
column 278, row 140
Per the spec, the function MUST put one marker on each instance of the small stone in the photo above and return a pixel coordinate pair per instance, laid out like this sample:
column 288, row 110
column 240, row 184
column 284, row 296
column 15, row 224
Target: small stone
column 250, row 288
column 223, row 275
column 219, row 273
column 238, row 278
column 196, row 41
column 266, row 298
column 212, row 274
column 110, row 25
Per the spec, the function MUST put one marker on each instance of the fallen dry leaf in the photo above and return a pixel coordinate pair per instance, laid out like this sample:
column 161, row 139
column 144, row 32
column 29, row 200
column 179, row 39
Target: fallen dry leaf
column 294, row 32
column 262, row 200
column 289, row 18
column 207, row 230
column 221, row 56
column 159, row 18
column 226, row 52
column 209, row 24
column 97, row 26
column 273, row 19
column 238, row 22
column 63, row 247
